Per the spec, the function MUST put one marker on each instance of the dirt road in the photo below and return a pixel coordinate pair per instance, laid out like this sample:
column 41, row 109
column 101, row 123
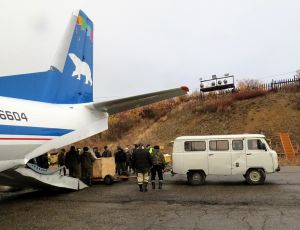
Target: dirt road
column 222, row 203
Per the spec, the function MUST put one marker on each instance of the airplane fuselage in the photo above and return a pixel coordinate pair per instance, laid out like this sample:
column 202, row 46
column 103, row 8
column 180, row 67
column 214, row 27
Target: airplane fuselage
column 25, row 125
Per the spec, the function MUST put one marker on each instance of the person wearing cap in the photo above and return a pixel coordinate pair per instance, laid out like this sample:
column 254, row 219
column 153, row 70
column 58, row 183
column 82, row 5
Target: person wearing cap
column 142, row 163
column 97, row 152
column 159, row 163
column 61, row 161
column 106, row 152
column 120, row 159
column 72, row 161
column 86, row 159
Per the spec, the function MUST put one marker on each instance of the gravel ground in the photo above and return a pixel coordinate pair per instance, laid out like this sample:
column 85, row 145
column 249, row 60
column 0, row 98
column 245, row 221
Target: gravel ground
column 222, row 203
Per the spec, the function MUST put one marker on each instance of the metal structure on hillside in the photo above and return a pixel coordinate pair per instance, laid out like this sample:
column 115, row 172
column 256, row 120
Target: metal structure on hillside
column 217, row 83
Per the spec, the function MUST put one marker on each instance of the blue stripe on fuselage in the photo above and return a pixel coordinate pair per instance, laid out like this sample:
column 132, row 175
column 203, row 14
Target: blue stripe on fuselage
column 34, row 131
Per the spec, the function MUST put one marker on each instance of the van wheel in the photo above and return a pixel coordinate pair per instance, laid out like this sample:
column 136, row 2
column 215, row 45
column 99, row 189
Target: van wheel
column 196, row 178
column 255, row 176
column 108, row 180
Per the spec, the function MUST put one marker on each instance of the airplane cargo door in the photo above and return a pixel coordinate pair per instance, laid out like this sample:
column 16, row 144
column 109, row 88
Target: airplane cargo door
column 219, row 157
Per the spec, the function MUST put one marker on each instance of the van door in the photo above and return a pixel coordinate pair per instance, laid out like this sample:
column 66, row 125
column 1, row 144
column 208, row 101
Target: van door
column 219, row 157
column 257, row 155
column 238, row 156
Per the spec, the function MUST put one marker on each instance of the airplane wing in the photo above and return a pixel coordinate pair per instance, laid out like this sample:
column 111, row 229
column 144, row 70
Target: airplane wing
column 120, row 105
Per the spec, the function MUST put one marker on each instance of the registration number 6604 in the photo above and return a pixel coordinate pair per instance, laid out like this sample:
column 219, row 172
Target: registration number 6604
column 13, row 116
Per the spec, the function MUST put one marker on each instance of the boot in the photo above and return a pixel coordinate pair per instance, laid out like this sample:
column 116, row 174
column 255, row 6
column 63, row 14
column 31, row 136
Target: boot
column 141, row 187
column 160, row 185
column 145, row 185
column 153, row 185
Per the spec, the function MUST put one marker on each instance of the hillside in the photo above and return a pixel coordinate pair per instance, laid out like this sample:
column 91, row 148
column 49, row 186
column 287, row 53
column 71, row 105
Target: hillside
column 246, row 112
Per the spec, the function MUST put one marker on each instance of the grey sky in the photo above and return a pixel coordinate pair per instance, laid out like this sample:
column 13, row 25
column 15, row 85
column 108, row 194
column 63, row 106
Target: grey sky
column 143, row 46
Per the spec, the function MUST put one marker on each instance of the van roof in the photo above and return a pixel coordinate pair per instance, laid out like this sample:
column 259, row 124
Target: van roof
column 221, row 136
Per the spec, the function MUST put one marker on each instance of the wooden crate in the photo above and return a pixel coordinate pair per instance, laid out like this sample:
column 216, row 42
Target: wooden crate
column 104, row 166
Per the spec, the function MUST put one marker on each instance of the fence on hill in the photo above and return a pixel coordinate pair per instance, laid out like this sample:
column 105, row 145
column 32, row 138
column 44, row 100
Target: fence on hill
column 274, row 85
column 278, row 84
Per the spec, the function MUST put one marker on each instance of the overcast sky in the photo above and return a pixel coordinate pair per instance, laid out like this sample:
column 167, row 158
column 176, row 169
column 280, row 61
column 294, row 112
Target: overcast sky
column 143, row 46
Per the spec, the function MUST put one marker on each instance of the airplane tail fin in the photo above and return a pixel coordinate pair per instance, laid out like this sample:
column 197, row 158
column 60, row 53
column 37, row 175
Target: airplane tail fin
column 69, row 79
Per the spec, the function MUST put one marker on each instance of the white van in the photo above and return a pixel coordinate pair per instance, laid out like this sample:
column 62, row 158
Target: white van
column 244, row 154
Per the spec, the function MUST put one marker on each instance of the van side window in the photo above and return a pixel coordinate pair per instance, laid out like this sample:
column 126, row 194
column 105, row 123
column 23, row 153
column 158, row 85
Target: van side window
column 255, row 144
column 194, row 146
column 219, row 145
column 237, row 145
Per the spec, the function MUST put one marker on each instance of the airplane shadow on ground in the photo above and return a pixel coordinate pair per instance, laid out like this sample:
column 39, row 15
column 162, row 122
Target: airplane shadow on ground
column 27, row 195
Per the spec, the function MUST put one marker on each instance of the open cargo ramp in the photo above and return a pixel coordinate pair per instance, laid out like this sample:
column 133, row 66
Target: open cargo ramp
column 35, row 177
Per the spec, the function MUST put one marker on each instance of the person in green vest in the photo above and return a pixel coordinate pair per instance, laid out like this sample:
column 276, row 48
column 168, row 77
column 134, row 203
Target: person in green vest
column 158, row 166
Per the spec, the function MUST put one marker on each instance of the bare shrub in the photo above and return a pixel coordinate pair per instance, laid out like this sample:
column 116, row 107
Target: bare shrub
column 147, row 112
column 247, row 84
column 243, row 95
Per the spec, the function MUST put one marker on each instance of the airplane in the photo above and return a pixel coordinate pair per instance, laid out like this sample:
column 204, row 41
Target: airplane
column 47, row 110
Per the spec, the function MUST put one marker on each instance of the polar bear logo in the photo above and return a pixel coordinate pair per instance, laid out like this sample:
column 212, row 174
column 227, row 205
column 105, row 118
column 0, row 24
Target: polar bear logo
column 81, row 68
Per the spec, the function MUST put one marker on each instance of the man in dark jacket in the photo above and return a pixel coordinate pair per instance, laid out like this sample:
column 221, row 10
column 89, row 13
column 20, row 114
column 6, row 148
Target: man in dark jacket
column 42, row 161
column 120, row 159
column 142, row 162
column 97, row 152
column 106, row 152
column 72, row 161
column 61, row 161
column 87, row 160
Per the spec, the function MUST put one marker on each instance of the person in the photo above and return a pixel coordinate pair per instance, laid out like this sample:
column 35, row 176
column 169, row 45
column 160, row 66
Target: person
column 87, row 159
column 61, row 161
column 106, row 152
column 72, row 161
column 149, row 149
column 142, row 162
column 120, row 159
column 97, row 152
column 134, row 147
column 158, row 166
column 128, row 159
column 42, row 161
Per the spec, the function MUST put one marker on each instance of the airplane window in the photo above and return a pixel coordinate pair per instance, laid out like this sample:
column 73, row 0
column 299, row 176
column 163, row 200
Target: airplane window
column 237, row 145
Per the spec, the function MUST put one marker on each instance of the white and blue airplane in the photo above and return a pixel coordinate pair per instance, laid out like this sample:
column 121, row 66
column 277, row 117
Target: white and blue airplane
column 46, row 110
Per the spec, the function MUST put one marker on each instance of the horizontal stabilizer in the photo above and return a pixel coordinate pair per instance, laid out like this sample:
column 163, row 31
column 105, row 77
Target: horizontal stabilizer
column 120, row 105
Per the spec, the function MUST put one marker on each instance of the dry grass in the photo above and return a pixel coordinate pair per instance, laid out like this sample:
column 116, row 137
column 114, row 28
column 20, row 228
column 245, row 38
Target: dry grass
column 297, row 104
column 214, row 105
column 248, row 94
